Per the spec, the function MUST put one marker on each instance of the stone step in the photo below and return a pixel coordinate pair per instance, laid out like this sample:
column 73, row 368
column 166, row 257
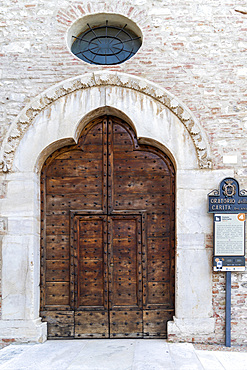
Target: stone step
column 116, row 354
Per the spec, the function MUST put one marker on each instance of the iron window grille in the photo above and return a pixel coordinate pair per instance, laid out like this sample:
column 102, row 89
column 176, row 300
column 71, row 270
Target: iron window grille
column 106, row 45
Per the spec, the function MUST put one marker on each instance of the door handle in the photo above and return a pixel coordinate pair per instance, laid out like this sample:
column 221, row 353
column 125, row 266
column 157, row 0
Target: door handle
column 111, row 264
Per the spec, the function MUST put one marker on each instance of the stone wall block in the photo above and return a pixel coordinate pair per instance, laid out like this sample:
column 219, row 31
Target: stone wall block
column 196, row 292
column 192, row 216
column 18, row 277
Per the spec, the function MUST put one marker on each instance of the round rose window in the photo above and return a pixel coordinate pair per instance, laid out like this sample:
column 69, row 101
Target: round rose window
column 106, row 44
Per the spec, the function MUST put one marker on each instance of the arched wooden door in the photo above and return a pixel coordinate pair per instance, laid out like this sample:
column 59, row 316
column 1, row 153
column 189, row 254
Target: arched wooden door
column 107, row 238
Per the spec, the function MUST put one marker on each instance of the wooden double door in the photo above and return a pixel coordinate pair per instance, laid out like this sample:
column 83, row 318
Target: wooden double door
column 107, row 236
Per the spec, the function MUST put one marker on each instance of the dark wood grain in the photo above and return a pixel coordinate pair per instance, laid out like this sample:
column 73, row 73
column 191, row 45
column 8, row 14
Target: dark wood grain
column 155, row 322
column 126, row 324
column 59, row 323
column 91, row 324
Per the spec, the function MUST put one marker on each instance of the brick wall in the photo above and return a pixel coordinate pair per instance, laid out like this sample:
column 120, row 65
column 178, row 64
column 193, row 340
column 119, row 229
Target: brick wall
column 238, row 305
column 196, row 50
column 239, row 308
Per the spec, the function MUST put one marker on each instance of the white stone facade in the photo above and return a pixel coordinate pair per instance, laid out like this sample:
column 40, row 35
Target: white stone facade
column 185, row 90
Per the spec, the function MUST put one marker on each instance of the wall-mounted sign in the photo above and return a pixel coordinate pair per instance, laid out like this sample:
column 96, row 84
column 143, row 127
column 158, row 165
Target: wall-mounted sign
column 229, row 206
column 229, row 242
column 228, row 199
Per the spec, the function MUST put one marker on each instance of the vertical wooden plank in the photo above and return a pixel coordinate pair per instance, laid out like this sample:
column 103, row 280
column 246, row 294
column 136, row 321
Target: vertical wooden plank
column 106, row 264
column 144, row 259
column 42, row 239
column 73, row 257
column 91, row 294
column 110, row 261
column 110, row 166
column 172, row 238
column 105, row 164
column 125, row 283
column 90, row 266
column 125, row 245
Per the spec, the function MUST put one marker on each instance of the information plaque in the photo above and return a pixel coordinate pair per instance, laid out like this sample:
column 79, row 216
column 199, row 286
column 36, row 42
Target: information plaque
column 229, row 234
column 229, row 242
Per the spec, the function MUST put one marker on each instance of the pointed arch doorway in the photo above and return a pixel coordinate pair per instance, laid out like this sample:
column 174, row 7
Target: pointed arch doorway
column 107, row 236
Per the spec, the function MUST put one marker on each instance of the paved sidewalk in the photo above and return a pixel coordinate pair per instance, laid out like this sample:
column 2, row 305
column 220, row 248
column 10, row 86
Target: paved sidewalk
column 117, row 354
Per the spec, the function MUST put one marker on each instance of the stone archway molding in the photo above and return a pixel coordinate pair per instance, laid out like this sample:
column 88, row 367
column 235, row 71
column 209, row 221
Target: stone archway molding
column 98, row 79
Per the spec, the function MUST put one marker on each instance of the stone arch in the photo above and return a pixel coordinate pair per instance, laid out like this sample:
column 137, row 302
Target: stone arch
column 65, row 92
column 55, row 118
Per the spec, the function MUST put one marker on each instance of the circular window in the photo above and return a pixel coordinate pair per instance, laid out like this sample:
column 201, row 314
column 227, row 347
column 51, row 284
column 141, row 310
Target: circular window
column 106, row 44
